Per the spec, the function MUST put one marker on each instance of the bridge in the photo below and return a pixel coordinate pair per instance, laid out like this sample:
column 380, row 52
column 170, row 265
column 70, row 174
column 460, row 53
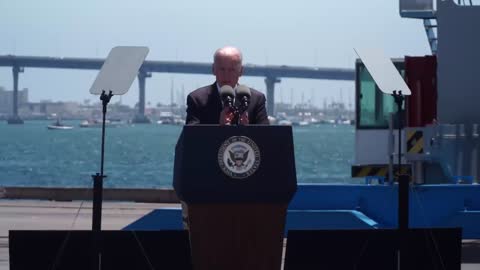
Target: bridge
column 272, row 74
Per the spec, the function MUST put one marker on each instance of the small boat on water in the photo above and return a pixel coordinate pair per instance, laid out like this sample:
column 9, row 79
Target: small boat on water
column 285, row 122
column 98, row 123
column 90, row 123
column 59, row 125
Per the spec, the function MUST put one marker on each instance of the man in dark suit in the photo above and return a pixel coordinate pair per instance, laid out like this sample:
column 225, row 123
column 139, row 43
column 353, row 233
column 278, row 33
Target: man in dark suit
column 204, row 105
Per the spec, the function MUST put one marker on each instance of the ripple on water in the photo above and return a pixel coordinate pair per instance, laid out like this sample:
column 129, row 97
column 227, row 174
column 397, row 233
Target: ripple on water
column 143, row 155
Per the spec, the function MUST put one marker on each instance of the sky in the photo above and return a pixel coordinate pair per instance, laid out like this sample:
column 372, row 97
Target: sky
column 312, row 33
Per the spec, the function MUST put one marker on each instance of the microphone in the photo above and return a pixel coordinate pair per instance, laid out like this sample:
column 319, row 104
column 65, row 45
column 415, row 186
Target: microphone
column 243, row 100
column 228, row 113
column 227, row 94
column 243, row 97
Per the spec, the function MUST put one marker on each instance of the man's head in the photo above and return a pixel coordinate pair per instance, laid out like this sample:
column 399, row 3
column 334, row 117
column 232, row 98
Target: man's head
column 227, row 66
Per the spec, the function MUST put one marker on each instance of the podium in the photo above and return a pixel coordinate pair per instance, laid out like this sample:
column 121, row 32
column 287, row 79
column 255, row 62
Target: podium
column 235, row 183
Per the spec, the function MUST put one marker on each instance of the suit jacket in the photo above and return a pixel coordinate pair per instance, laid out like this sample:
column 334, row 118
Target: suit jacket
column 204, row 106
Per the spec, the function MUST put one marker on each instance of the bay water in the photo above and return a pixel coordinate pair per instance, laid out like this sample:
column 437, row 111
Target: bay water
column 142, row 156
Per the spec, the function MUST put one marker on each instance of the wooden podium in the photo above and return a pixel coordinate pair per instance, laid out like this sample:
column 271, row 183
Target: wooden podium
column 235, row 184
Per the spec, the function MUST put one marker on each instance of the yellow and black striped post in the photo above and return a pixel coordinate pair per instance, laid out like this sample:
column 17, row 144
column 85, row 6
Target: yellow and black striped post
column 415, row 142
column 380, row 170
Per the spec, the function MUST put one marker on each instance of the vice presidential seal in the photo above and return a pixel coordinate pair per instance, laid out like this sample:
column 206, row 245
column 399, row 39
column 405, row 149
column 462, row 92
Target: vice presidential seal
column 239, row 157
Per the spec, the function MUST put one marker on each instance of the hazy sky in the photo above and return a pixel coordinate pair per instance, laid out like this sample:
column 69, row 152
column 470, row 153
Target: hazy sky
column 316, row 33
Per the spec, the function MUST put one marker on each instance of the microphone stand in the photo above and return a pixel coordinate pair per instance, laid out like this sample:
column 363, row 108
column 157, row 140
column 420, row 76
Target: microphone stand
column 241, row 109
column 229, row 114
column 236, row 116
column 98, row 192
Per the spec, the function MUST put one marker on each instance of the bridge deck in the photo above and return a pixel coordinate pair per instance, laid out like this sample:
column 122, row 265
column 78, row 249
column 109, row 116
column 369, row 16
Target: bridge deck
column 322, row 73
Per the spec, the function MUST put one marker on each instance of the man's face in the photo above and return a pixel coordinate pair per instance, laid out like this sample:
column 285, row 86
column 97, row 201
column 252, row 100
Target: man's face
column 227, row 70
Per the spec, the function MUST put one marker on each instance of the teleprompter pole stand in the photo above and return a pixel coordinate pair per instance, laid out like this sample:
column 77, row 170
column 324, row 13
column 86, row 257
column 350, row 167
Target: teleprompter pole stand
column 403, row 179
column 98, row 191
column 98, row 178
column 403, row 183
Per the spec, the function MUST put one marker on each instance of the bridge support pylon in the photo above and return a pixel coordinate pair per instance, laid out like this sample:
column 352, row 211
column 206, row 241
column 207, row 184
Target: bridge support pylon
column 270, row 82
column 140, row 117
column 14, row 118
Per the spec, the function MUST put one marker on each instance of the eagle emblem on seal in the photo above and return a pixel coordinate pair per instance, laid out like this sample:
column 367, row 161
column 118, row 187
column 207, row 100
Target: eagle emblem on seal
column 239, row 157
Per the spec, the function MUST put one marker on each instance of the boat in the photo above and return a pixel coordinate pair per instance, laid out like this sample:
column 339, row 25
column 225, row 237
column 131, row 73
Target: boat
column 98, row 123
column 90, row 123
column 284, row 122
column 169, row 118
column 58, row 125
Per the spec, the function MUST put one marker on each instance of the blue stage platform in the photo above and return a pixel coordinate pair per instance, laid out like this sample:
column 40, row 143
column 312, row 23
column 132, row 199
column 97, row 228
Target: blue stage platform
column 361, row 207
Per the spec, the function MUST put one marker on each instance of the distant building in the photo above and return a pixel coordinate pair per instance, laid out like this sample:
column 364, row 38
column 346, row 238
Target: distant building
column 6, row 100
column 50, row 109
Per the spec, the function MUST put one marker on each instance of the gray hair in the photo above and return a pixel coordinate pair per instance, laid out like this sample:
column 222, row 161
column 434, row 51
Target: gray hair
column 228, row 50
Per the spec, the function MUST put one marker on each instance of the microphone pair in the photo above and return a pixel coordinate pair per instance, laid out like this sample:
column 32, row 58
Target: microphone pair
column 235, row 105
column 239, row 100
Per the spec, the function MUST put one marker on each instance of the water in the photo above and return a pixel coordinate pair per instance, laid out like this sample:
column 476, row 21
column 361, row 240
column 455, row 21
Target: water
column 142, row 156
